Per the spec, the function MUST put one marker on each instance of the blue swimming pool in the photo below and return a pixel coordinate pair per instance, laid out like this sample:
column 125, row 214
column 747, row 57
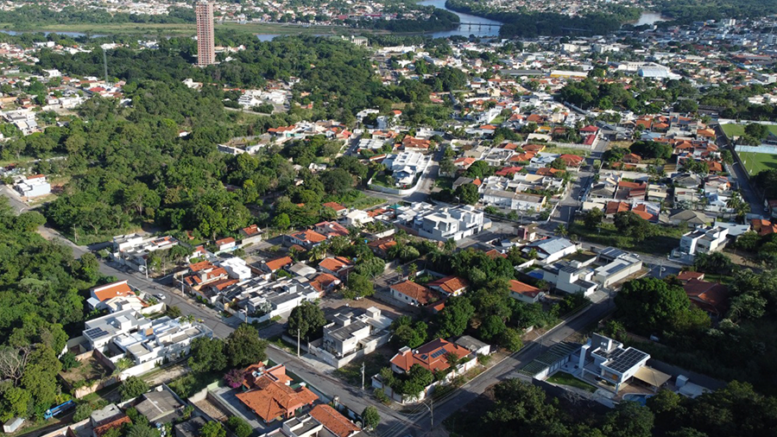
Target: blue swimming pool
column 637, row 397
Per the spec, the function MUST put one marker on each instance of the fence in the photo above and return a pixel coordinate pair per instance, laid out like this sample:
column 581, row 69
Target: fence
column 764, row 148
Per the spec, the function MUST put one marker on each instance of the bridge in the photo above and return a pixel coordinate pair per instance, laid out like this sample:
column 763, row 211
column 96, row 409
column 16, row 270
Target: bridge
column 479, row 25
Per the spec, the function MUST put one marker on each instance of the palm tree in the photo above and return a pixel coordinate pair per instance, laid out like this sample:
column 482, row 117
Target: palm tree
column 561, row 230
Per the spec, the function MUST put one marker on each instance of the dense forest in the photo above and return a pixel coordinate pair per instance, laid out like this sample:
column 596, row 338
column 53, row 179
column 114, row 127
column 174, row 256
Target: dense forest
column 532, row 24
column 513, row 407
column 42, row 293
column 34, row 16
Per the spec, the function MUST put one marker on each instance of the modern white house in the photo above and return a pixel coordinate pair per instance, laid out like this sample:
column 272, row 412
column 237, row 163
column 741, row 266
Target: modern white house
column 32, row 186
column 551, row 249
column 141, row 339
column 259, row 299
column 406, row 166
column 349, row 337
column 616, row 266
column 703, row 239
column 606, row 360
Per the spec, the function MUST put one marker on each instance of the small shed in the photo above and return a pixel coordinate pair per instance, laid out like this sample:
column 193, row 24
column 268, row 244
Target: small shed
column 12, row 425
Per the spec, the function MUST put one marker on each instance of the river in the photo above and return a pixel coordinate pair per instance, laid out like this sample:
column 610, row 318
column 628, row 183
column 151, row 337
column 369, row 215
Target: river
column 485, row 31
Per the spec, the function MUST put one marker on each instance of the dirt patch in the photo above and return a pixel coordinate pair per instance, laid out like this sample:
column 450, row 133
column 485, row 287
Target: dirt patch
column 211, row 409
column 89, row 370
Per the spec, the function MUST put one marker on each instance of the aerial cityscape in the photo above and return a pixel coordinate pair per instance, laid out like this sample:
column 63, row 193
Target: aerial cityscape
column 389, row 218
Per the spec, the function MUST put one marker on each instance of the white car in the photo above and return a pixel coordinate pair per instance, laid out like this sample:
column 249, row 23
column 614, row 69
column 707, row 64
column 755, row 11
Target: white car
column 161, row 296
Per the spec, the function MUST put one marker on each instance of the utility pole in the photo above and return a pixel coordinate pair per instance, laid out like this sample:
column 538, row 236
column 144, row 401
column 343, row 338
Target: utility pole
column 299, row 322
column 145, row 261
column 363, row 375
column 297, row 341
column 75, row 233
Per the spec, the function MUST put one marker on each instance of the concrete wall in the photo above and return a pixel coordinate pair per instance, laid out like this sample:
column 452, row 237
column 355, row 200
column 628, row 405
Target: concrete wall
column 340, row 362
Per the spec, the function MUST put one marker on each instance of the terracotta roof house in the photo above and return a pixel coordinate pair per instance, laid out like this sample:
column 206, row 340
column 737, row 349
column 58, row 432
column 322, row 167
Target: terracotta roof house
column 338, row 266
column 432, row 356
column 536, row 148
column 763, row 227
column 493, row 254
column 251, row 234
column 306, row 239
column 339, row 209
column 688, row 275
column 709, row 296
column 508, row 171
column 381, row 247
column 273, row 265
column 449, row 285
column 333, row 421
column 415, row 143
column 272, row 398
column 325, row 283
column 414, row 294
column 331, row 229
column 109, row 291
column 572, row 160
column 614, row 207
column 632, row 158
column 524, row 292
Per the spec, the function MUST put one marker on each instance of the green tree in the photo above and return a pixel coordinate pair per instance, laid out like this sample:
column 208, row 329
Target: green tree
column 370, row 418
column 468, row 193
column 558, row 164
column 629, row 419
column 138, row 430
column 632, row 225
column 511, row 340
column 453, row 320
column 418, row 378
column 405, row 333
column 650, row 305
column 306, row 319
column 132, row 387
column 213, row 429
column 757, row 131
column 83, row 411
column 14, row 401
column 240, row 427
column 207, row 355
column 593, row 218
column 281, row 221
column 360, row 285
column 244, row 347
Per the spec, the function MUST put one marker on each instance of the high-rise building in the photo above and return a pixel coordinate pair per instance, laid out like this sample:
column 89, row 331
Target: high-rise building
column 206, row 51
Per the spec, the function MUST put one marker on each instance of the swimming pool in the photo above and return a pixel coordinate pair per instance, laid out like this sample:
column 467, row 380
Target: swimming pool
column 637, row 397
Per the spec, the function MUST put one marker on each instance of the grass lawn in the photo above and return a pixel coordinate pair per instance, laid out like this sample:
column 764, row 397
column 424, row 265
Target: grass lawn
column 756, row 162
column 562, row 378
column 665, row 239
column 737, row 130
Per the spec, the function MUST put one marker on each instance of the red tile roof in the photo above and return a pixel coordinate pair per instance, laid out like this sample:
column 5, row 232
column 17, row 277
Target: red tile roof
column 335, row 264
column 431, row 356
column 114, row 289
column 519, row 287
column 334, row 205
column 278, row 263
column 450, row 284
column 309, row 236
column 272, row 399
column 333, row 421
column 709, row 296
column 423, row 295
column 323, row 281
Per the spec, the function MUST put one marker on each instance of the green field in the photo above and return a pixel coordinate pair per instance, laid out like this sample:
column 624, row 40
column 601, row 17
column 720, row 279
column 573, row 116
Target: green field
column 755, row 162
column 737, row 130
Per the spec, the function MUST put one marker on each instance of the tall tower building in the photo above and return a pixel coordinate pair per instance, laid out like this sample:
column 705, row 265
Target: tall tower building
column 206, row 51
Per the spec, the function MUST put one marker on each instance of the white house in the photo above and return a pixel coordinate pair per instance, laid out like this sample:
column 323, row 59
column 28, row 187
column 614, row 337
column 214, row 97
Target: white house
column 604, row 359
column 349, row 337
column 701, row 240
column 551, row 249
column 32, row 186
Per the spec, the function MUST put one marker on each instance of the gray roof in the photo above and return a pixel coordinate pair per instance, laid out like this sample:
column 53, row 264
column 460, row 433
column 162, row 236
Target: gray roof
column 190, row 428
column 470, row 343
column 552, row 245
column 158, row 404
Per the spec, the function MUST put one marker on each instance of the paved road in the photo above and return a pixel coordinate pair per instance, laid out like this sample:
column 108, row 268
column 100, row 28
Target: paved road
column 738, row 175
